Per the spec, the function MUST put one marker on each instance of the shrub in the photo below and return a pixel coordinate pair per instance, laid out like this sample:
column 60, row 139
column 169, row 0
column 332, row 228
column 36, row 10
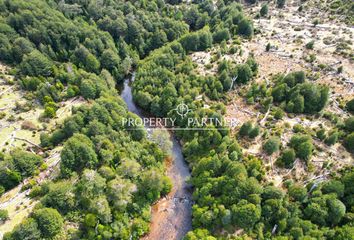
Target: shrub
column 332, row 138
column 50, row 222
column 350, row 106
column 287, row 158
column 271, row 145
column 349, row 142
column 310, row 44
column 280, row 3
column 264, row 10
column 4, row 215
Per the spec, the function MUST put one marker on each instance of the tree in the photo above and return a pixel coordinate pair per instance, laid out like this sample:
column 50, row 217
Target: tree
column 332, row 138
column 50, row 222
column 88, row 89
column 344, row 233
column 302, row 145
column 25, row 162
column 199, row 234
column 305, row 151
column 21, row 46
column 271, row 145
column 245, row 129
column 349, row 124
column 163, row 139
column 60, row 196
column 36, row 64
column 316, row 213
column 336, row 211
column 90, row 186
column 77, row 154
column 264, row 10
column 349, row 142
column 221, row 35
column 28, row 229
column 245, row 28
column 243, row 73
column 333, row 186
column 271, row 192
column 110, row 60
column 350, row 106
column 297, row 193
column 251, row 62
column 254, row 132
column 287, row 158
column 120, row 192
column 245, row 214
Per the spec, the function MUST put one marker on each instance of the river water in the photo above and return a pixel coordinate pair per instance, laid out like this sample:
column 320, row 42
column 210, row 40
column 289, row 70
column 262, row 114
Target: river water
column 171, row 215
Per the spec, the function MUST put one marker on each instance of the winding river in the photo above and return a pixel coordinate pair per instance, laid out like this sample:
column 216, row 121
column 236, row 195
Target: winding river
column 171, row 215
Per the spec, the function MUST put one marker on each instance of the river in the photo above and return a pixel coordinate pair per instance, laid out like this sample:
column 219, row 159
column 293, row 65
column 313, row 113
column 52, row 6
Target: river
column 172, row 214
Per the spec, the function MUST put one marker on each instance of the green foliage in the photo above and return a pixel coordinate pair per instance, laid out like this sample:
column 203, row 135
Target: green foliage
column 349, row 124
column 198, row 234
column 4, row 215
column 297, row 193
column 28, row 229
column 333, row 186
column 221, row 35
column 77, row 154
column 50, row 222
column 280, row 3
column 25, row 162
column 36, row 64
column 303, row 146
column 243, row 73
column 350, row 106
column 310, row 44
column 332, row 138
column 245, row 28
column 245, row 215
column 349, row 142
column 264, row 10
column 287, row 158
column 300, row 96
column 271, row 145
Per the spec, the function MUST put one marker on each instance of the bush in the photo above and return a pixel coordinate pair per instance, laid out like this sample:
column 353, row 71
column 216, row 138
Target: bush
column 350, row 106
column 50, row 222
column 349, row 142
column 221, row 35
column 245, row 28
column 302, row 145
column 268, row 47
column 332, row 138
column 321, row 134
column 244, row 73
column 271, row 145
column 287, row 158
column 77, row 154
column 25, row 162
column 349, row 124
column 28, row 229
column 280, row 3
column 36, row 64
column 245, row 129
column 264, row 10
column 4, row 215
column 310, row 45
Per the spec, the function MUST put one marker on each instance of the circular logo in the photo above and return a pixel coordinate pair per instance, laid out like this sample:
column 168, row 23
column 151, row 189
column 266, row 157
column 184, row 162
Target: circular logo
column 182, row 109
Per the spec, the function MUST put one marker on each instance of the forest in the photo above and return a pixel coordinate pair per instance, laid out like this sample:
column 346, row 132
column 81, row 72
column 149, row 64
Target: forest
column 111, row 174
